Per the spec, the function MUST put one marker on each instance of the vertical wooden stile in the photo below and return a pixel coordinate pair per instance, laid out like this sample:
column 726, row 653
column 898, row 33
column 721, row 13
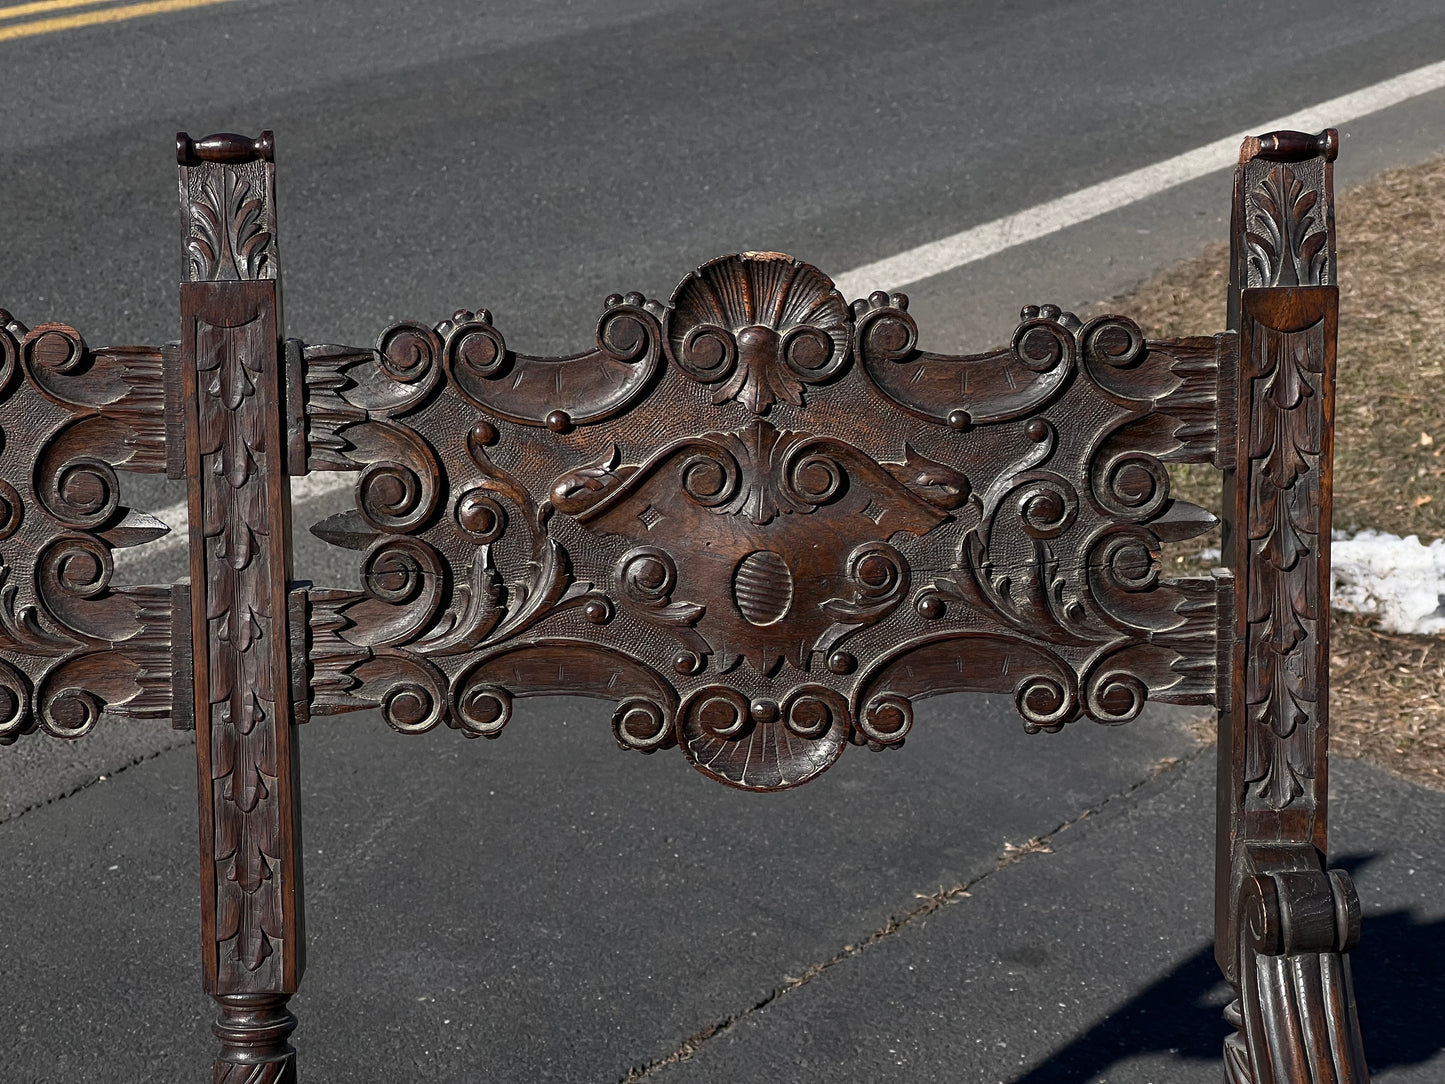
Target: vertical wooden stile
column 1284, row 924
column 239, row 503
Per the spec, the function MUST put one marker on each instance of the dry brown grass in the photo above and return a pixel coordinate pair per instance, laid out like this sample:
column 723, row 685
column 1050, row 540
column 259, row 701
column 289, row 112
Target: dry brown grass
column 1386, row 704
column 1389, row 472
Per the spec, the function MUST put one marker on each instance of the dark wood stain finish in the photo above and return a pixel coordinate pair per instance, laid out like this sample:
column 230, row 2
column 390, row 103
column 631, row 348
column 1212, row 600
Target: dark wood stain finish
column 777, row 533
column 1284, row 924
column 74, row 649
column 240, row 503
column 758, row 518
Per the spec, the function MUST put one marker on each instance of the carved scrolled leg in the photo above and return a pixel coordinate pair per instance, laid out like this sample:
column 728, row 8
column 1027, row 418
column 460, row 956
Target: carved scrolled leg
column 254, row 1029
column 1295, row 1017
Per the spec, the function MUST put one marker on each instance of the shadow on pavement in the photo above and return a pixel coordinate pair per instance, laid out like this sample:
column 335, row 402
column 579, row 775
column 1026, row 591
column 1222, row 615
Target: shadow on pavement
column 1397, row 969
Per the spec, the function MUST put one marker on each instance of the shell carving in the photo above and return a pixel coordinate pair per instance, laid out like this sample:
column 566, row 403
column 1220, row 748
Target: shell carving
column 758, row 326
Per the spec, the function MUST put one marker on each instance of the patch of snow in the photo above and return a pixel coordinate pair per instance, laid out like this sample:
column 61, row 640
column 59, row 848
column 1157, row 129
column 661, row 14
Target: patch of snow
column 1398, row 581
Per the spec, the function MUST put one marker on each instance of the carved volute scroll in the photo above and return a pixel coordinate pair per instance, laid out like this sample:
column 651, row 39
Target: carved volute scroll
column 231, row 372
column 762, row 521
column 74, row 649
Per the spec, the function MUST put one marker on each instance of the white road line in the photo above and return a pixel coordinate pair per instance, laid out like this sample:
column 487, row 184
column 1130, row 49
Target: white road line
column 990, row 238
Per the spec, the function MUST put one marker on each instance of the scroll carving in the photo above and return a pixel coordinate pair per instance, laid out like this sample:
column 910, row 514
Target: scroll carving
column 1295, row 1017
column 775, row 509
column 558, row 392
column 74, row 649
column 760, row 520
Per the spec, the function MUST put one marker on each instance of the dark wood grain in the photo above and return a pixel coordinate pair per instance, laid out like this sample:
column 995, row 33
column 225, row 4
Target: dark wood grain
column 1283, row 924
column 758, row 517
column 73, row 649
column 239, row 499
column 806, row 524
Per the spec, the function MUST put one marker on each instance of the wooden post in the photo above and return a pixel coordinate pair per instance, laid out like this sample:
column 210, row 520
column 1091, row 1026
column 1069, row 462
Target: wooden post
column 1283, row 922
column 239, row 502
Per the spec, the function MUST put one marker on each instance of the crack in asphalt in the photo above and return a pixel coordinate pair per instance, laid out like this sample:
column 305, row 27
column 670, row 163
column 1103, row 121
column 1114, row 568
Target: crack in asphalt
column 110, row 774
column 927, row 905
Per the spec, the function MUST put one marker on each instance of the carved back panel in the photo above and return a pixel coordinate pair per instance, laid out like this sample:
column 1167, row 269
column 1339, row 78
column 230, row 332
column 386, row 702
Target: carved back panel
column 756, row 516
column 763, row 521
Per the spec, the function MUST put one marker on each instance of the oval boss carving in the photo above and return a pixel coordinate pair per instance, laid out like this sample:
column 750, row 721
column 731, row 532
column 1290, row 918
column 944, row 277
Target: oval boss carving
column 763, row 522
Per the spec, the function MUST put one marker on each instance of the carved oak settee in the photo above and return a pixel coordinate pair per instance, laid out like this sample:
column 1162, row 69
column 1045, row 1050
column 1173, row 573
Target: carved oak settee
column 695, row 521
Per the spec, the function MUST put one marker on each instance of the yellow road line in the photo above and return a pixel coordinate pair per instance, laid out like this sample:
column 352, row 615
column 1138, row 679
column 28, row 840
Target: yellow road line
column 93, row 18
column 18, row 10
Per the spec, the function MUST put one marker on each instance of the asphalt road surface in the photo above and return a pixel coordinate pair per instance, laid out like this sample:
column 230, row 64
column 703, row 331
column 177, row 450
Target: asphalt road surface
column 543, row 907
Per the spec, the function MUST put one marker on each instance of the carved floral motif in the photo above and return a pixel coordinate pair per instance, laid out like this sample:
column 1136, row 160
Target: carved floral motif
column 761, row 498
column 1284, row 387
column 1284, row 371
column 231, row 400
column 231, row 373
column 735, row 584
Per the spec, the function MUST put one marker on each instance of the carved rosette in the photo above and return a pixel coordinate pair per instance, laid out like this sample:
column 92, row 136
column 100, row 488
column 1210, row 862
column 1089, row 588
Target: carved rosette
column 762, row 522
column 74, row 649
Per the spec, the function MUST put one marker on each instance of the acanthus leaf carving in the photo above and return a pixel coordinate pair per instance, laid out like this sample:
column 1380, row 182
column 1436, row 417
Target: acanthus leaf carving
column 243, row 687
column 1283, row 377
column 232, row 224
column 1287, row 245
column 23, row 630
column 475, row 613
column 548, row 582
